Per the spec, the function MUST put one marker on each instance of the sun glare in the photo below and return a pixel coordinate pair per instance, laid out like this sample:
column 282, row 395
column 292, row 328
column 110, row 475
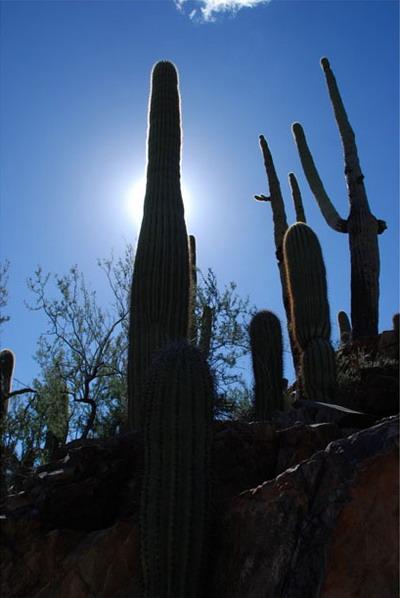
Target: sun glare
column 135, row 199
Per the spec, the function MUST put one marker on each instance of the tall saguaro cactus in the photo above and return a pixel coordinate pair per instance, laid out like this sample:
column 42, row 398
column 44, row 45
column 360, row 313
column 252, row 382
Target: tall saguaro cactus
column 267, row 357
column 160, row 294
column 175, row 490
column 361, row 225
column 306, row 276
column 280, row 228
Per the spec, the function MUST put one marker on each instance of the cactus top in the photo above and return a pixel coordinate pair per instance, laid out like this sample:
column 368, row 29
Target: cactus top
column 164, row 135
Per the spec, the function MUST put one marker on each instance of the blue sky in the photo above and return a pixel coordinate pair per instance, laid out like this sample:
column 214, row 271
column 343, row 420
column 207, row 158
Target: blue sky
column 74, row 94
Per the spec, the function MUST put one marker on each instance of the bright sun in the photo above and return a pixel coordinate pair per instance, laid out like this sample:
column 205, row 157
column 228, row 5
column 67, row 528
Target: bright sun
column 135, row 199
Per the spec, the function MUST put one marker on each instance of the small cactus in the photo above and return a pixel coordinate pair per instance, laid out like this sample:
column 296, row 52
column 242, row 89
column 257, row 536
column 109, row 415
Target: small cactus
column 267, row 356
column 174, row 504
column 306, row 276
column 7, row 364
column 396, row 323
column 344, row 327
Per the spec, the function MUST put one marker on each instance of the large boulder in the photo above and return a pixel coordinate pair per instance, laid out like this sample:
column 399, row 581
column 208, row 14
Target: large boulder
column 326, row 527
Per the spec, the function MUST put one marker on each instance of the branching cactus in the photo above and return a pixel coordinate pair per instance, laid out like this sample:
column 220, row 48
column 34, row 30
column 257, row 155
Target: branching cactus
column 280, row 227
column 7, row 364
column 175, row 494
column 160, row 294
column 267, row 356
column 344, row 327
column 306, row 276
column 361, row 225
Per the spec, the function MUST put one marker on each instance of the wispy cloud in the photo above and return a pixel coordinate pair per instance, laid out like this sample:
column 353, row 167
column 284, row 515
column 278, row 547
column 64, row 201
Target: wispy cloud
column 206, row 10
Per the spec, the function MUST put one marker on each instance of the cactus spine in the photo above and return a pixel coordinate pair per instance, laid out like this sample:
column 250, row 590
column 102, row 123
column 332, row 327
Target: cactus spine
column 344, row 327
column 361, row 225
column 267, row 356
column 160, row 294
column 174, row 503
column 306, row 276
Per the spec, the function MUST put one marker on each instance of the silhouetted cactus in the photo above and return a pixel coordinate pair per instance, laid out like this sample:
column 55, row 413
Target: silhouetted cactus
column 7, row 364
column 396, row 323
column 267, row 357
column 280, row 227
column 318, row 366
column 306, row 276
column 159, row 310
column 344, row 327
column 175, row 494
column 361, row 226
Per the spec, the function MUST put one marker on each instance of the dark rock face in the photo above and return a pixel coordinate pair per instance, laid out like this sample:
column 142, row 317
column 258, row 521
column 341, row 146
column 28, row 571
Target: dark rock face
column 287, row 536
column 72, row 530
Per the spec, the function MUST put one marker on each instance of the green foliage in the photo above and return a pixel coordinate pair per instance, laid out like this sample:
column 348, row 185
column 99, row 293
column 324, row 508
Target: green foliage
column 160, row 296
column 84, row 348
column 229, row 337
column 267, row 357
column 174, row 506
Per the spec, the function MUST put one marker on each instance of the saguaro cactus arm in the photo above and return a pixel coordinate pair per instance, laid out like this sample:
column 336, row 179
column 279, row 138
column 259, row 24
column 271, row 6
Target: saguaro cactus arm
column 327, row 208
column 297, row 199
column 276, row 199
column 354, row 175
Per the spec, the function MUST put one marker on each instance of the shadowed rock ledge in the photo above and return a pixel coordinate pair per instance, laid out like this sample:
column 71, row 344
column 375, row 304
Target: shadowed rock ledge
column 299, row 511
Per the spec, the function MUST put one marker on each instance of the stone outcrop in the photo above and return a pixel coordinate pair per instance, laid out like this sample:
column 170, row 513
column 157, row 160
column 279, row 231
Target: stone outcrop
column 326, row 527
column 300, row 510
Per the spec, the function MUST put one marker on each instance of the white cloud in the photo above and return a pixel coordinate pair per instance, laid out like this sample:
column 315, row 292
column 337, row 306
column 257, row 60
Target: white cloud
column 207, row 10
